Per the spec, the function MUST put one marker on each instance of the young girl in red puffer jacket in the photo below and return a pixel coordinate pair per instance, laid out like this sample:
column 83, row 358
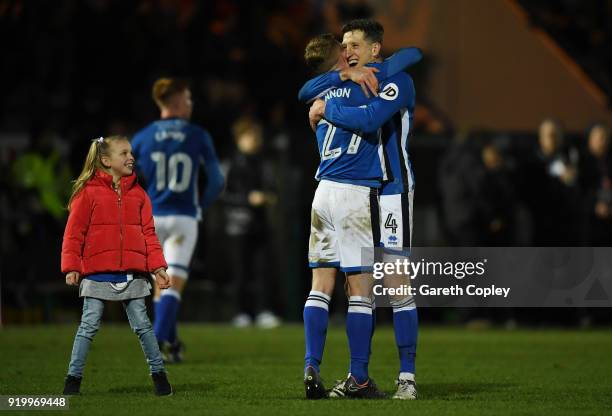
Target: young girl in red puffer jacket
column 109, row 246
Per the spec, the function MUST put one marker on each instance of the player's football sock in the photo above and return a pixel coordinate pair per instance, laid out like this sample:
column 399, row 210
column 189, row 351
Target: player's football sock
column 166, row 313
column 373, row 326
column 405, row 325
column 373, row 330
column 172, row 334
column 158, row 312
column 359, row 333
column 316, row 317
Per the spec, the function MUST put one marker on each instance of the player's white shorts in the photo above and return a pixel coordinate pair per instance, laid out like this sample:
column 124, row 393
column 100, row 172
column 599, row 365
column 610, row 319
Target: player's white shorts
column 344, row 219
column 178, row 235
column 396, row 222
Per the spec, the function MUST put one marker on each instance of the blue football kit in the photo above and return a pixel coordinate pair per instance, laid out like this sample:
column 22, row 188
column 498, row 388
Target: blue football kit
column 395, row 124
column 385, row 120
column 169, row 153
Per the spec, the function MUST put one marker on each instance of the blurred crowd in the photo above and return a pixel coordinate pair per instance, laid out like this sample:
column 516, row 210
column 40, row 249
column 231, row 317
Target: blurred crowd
column 88, row 66
column 556, row 193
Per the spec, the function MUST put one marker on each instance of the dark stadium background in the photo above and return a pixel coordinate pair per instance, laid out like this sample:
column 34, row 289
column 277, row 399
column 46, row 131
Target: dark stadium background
column 492, row 71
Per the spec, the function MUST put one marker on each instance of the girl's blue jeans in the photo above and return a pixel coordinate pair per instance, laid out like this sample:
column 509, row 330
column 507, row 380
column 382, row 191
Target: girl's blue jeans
column 136, row 311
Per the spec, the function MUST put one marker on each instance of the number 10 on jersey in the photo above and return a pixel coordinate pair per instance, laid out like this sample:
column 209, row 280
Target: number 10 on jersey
column 167, row 171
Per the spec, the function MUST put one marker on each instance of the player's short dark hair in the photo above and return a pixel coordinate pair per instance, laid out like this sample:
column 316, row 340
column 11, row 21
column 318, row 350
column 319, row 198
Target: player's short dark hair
column 319, row 54
column 372, row 30
column 165, row 88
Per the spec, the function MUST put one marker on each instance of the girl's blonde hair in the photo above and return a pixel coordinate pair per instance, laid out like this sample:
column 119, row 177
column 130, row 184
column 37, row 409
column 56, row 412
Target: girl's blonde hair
column 99, row 147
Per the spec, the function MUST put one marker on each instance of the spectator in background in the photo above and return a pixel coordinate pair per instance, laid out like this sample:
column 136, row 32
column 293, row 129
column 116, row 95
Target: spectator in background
column 250, row 179
column 498, row 198
column 478, row 196
column 596, row 182
column 549, row 186
column 39, row 183
column 459, row 179
column 560, row 161
column 43, row 172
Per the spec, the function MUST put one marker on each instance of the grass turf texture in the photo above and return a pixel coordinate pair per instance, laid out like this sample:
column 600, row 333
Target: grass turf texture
column 257, row 372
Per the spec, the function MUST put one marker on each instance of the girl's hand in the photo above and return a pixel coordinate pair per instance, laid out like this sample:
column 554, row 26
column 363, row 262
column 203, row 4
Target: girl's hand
column 162, row 279
column 73, row 278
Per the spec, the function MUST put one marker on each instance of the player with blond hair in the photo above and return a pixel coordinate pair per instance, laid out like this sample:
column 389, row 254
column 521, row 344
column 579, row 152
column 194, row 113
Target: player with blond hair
column 169, row 153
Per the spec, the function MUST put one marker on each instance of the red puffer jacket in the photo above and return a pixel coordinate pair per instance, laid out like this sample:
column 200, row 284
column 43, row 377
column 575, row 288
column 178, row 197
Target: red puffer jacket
column 111, row 233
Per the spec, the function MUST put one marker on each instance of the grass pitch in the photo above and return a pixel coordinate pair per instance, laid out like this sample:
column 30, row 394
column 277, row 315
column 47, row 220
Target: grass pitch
column 257, row 372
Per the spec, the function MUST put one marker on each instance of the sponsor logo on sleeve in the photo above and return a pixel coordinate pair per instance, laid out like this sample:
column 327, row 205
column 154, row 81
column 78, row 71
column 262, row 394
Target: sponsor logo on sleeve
column 390, row 92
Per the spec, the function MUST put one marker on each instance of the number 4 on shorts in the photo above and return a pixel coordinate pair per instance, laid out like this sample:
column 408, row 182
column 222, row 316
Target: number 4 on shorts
column 391, row 223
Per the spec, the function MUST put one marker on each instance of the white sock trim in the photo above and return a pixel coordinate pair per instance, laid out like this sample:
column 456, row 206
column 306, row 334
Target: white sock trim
column 406, row 376
column 360, row 299
column 320, row 294
column 406, row 304
column 360, row 304
column 318, row 299
column 171, row 292
column 316, row 304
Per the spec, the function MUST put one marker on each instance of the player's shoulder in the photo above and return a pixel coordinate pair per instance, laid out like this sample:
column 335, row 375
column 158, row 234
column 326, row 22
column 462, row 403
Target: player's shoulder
column 200, row 133
column 377, row 65
column 196, row 128
column 143, row 133
column 400, row 84
column 401, row 79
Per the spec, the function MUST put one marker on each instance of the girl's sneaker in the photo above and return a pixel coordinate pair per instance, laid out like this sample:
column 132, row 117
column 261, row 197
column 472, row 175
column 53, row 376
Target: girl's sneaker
column 162, row 386
column 72, row 385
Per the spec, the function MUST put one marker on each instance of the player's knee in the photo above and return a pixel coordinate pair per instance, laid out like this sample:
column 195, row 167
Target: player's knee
column 179, row 272
column 324, row 287
column 178, row 283
column 359, row 284
column 359, row 291
column 323, row 280
column 178, row 277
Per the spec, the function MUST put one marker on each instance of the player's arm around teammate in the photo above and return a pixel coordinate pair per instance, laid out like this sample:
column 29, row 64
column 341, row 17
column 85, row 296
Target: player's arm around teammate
column 368, row 77
column 395, row 94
